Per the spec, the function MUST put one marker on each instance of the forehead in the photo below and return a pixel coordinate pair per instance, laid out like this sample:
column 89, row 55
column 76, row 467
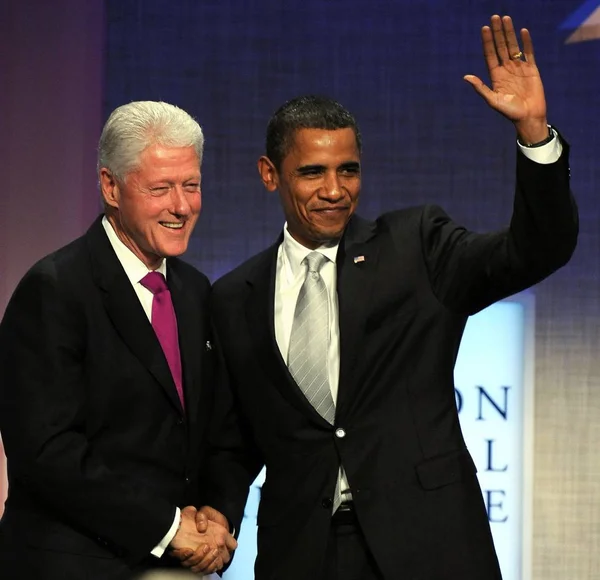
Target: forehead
column 323, row 146
column 163, row 154
column 159, row 159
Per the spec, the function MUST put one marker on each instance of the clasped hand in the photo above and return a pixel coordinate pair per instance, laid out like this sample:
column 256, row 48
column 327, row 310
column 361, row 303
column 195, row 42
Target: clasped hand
column 203, row 542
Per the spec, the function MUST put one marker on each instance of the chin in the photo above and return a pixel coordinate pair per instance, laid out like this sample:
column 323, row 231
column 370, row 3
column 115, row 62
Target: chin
column 329, row 235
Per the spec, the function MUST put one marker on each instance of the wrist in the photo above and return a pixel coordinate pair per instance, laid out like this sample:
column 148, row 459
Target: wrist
column 532, row 131
column 175, row 534
column 539, row 142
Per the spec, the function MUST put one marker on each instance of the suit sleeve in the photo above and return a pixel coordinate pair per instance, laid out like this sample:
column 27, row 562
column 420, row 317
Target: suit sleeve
column 234, row 461
column 470, row 271
column 43, row 421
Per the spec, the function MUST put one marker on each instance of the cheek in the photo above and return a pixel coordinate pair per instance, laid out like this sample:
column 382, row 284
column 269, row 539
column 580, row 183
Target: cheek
column 138, row 216
column 195, row 203
column 291, row 206
column 192, row 221
column 302, row 202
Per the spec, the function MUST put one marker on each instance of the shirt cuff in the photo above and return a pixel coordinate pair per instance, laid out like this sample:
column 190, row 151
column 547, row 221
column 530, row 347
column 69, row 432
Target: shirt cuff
column 160, row 548
column 545, row 154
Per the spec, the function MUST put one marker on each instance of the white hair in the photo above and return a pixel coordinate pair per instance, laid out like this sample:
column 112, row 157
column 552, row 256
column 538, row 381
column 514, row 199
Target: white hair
column 132, row 128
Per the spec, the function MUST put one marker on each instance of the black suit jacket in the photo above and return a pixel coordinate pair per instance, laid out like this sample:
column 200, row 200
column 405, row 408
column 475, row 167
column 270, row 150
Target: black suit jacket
column 99, row 450
column 402, row 311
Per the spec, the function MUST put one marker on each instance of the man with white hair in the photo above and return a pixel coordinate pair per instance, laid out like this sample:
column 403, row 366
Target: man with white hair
column 105, row 373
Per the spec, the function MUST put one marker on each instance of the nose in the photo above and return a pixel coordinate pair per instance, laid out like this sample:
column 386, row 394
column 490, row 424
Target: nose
column 332, row 188
column 180, row 205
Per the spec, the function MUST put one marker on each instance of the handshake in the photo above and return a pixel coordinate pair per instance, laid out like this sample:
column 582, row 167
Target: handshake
column 203, row 542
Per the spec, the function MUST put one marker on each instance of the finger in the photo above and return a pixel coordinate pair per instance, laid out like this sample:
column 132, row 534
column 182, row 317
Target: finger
column 489, row 96
column 197, row 556
column 201, row 560
column 512, row 44
column 527, row 46
column 189, row 511
column 213, row 567
column 499, row 38
column 230, row 543
column 209, row 564
column 225, row 555
column 477, row 84
column 201, row 522
column 182, row 553
column 216, row 566
column 215, row 516
column 489, row 49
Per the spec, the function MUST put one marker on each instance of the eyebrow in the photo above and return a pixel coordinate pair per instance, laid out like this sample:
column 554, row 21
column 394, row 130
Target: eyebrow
column 171, row 182
column 312, row 168
column 350, row 165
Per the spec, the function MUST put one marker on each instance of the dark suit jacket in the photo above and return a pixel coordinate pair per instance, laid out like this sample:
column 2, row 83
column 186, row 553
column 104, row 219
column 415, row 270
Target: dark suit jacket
column 402, row 312
column 99, row 449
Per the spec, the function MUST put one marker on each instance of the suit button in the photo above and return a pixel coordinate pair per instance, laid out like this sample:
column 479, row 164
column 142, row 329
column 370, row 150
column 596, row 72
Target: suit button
column 180, row 421
column 187, row 480
column 327, row 503
column 340, row 433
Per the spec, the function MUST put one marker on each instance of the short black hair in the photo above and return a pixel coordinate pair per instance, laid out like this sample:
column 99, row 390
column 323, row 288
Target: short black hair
column 305, row 112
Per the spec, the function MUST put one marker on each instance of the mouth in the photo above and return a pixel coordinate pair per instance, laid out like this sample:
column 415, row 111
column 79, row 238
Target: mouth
column 335, row 212
column 331, row 209
column 172, row 225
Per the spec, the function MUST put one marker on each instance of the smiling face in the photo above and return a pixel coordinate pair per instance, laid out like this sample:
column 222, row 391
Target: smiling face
column 154, row 210
column 318, row 184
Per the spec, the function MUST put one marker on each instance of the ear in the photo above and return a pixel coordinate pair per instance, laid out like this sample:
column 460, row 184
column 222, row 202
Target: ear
column 268, row 173
column 109, row 188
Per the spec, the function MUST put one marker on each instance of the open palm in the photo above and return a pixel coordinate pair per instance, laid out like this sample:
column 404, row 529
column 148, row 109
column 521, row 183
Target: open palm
column 516, row 89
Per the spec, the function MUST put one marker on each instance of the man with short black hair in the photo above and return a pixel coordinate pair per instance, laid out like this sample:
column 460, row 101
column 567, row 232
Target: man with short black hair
column 340, row 342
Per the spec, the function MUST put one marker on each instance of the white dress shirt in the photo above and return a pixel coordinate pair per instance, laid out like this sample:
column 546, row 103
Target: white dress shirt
column 135, row 270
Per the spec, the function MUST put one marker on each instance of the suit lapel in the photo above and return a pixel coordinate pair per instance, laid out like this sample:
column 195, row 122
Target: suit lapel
column 125, row 311
column 261, row 325
column 356, row 265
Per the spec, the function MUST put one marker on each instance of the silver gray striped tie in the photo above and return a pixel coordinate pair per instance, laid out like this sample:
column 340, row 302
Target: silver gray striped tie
column 309, row 339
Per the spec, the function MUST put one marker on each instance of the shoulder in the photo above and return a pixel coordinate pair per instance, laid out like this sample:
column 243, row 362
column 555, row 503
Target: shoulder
column 257, row 265
column 59, row 266
column 401, row 228
column 414, row 214
column 52, row 284
column 401, row 222
column 417, row 219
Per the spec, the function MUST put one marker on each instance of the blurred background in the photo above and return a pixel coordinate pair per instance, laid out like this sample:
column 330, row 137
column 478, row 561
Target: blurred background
column 427, row 137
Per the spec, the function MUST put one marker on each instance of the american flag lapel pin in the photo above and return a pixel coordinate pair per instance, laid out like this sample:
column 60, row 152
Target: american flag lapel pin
column 359, row 259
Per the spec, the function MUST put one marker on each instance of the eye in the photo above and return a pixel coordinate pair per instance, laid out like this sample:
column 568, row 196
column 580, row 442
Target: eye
column 311, row 172
column 192, row 187
column 161, row 190
column 351, row 170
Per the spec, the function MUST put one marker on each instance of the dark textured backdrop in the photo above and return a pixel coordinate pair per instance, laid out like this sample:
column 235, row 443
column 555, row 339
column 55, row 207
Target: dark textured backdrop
column 398, row 65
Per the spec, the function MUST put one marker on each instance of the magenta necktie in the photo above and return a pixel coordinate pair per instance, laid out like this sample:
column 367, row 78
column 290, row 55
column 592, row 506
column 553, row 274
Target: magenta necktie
column 164, row 323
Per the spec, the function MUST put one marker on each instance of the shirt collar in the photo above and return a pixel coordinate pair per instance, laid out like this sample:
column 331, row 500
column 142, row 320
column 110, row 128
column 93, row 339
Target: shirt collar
column 294, row 252
column 133, row 266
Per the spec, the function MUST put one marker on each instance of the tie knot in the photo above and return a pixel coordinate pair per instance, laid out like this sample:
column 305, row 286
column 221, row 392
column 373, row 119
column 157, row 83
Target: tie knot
column 315, row 261
column 155, row 282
